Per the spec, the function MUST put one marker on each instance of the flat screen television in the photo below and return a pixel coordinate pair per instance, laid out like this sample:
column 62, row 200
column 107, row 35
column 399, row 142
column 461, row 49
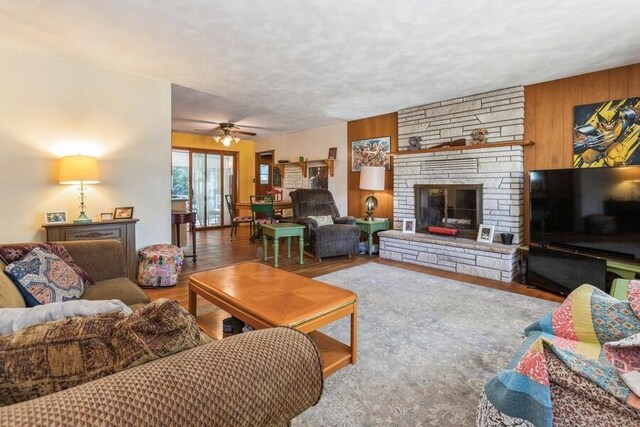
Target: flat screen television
column 592, row 211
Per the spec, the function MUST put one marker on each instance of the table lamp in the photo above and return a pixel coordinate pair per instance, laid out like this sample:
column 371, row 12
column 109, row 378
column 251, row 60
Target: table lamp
column 79, row 170
column 371, row 178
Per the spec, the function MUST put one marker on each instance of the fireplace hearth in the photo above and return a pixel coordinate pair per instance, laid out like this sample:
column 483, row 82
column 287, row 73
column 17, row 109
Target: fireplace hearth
column 457, row 206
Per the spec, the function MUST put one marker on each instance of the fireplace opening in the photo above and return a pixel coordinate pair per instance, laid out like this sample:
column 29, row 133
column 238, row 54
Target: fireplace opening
column 451, row 206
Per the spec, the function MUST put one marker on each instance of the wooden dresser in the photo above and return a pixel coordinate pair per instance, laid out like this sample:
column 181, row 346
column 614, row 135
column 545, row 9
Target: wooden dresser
column 123, row 230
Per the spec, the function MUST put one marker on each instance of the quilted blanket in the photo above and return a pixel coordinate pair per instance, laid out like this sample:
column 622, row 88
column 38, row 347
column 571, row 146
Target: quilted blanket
column 593, row 334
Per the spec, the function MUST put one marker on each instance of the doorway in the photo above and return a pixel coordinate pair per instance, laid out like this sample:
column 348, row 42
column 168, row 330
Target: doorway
column 264, row 166
column 209, row 175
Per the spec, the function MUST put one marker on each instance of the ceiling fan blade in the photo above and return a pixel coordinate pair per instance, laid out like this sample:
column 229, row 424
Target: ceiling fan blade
column 241, row 132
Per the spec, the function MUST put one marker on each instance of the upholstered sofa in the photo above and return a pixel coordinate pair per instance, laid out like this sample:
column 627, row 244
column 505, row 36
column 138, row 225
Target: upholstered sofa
column 569, row 371
column 104, row 261
column 340, row 238
column 260, row 378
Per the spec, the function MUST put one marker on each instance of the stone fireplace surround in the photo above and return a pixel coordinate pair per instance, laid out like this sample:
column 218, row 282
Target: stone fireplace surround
column 500, row 171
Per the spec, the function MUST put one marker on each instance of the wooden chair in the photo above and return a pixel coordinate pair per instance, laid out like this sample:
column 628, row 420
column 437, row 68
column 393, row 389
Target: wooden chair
column 262, row 213
column 237, row 219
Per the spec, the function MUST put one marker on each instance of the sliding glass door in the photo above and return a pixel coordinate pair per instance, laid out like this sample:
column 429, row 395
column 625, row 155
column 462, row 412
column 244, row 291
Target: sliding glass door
column 213, row 175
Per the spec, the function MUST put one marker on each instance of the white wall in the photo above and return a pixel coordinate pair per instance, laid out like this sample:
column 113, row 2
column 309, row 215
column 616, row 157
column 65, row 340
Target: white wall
column 314, row 144
column 52, row 107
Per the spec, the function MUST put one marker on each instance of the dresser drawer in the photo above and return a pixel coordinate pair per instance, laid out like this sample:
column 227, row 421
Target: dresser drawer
column 95, row 233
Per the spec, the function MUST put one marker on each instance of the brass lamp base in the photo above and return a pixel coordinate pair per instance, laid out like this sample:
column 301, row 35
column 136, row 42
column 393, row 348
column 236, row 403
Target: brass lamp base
column 82, row 218
column 370, row 205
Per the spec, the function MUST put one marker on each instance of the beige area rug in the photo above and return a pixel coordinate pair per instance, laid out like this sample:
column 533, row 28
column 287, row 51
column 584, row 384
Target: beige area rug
column 426, row 346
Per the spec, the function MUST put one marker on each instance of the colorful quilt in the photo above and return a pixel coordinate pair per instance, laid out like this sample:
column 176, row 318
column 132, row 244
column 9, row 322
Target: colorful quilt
column 593, row 334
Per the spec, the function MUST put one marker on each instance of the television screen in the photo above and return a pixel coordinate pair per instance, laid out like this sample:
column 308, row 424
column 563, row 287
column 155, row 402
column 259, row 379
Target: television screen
column 594, row 210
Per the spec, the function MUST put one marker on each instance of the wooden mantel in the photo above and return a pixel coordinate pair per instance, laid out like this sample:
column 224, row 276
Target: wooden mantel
column 464, row 147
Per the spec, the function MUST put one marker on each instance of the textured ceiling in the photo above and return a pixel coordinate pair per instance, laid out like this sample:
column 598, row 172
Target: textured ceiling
column 287, row 65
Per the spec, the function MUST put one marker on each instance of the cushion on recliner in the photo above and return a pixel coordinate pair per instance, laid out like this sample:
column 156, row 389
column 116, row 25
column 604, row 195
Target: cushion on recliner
column 121, row 288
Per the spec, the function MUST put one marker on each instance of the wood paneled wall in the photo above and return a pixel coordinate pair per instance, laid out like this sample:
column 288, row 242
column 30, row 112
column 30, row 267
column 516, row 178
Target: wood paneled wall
column 371, row 127
column 548, row 116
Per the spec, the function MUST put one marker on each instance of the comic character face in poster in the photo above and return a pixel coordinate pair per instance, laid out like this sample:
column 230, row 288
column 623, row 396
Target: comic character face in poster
column 607, row 134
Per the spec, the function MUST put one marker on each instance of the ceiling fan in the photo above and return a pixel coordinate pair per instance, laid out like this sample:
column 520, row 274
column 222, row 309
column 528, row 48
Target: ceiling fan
column 227, row 133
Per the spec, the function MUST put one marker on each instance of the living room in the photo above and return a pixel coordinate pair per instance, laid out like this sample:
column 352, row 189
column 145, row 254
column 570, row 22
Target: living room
column 439, row 316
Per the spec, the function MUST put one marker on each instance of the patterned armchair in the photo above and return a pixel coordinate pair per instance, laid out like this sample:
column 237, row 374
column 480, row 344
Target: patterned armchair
column 340, row 238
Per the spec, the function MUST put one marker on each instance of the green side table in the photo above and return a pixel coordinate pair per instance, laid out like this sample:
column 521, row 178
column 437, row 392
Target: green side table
column 283, row 229
column 371, row 227
column 619, row 289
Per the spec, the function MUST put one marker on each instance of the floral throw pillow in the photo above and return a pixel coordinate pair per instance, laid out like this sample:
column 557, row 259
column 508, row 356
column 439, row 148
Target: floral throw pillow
column 45, row 277
column 11, row 253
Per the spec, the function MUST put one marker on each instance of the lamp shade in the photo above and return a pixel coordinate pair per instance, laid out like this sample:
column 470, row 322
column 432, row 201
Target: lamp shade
column 79, row 169
column 372, row 178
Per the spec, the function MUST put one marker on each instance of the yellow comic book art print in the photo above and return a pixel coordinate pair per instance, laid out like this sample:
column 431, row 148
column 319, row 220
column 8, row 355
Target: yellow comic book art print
column 607, row 134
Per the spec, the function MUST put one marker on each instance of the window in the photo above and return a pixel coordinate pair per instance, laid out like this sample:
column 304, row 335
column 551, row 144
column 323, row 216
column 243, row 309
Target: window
column 179, row 174
column 264, row 174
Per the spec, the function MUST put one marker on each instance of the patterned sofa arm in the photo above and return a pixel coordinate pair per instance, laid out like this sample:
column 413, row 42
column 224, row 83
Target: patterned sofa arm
column 259, row 378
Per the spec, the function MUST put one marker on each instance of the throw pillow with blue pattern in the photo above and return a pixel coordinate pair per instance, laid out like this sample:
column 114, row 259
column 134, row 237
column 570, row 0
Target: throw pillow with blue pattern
column 42, row 277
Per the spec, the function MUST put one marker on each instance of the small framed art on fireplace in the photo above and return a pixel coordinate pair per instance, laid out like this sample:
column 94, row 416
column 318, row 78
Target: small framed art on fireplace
column 485, row 233
column 409, row 225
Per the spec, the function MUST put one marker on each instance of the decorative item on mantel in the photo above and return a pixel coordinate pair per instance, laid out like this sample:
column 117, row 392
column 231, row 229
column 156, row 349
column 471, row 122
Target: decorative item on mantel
column 415, row 143
column 371, row 178
column 79, row 170
column 479, row 136
column 455, row 143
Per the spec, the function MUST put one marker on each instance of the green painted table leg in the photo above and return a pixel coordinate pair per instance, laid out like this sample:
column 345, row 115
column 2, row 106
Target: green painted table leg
column 370, row 242
column 276, row 249
column 289, row 247
column 301, row 249
column 264, row 245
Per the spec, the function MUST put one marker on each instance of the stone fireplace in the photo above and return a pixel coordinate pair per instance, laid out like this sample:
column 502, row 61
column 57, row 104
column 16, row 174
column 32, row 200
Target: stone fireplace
column 460, row 187
column 450, row 206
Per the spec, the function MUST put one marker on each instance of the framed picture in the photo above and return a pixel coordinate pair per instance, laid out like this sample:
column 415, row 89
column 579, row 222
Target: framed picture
column 606, row 134
column 318, row 177
column 333, row 153
column 106, row 216
column 56, row 217
column 370, row 152
column 123, row 213
column 409, row 225
column 485, row 233
column 277, row 176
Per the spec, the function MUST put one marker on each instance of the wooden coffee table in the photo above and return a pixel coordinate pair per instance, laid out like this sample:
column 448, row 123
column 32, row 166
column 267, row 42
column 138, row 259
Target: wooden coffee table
column 265, row 297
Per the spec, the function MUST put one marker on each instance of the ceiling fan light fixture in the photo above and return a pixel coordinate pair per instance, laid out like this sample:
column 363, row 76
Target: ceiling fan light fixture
column 226, row 141
column 236, row 139
column 216, row 138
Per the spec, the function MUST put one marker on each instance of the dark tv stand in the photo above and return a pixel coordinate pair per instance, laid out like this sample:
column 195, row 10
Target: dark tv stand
column 561, row 271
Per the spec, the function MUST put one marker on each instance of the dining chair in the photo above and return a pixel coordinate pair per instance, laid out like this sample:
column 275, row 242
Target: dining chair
column 262, row 213
column 237, row 219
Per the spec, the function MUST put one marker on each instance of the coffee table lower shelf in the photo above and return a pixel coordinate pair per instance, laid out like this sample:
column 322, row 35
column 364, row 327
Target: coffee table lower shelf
column 335, row 355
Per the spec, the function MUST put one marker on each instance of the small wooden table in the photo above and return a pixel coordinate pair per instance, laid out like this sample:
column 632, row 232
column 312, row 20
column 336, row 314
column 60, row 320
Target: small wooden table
column 371, row 227
column 265, row 297
column 283, row 229
column 185, row 217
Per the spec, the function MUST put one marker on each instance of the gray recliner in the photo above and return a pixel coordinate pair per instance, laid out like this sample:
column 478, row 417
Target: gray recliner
column 340, row 238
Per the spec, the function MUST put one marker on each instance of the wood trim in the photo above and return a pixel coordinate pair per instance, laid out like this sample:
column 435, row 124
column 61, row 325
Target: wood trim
column 465, row 147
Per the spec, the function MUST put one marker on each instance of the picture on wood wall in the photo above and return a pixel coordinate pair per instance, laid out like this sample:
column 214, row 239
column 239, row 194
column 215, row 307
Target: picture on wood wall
column 370, row 152
column 607, row 134
column 318, row 178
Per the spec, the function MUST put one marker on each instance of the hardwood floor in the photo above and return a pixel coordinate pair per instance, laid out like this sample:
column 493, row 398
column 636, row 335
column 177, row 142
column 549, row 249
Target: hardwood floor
column 216, row 250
